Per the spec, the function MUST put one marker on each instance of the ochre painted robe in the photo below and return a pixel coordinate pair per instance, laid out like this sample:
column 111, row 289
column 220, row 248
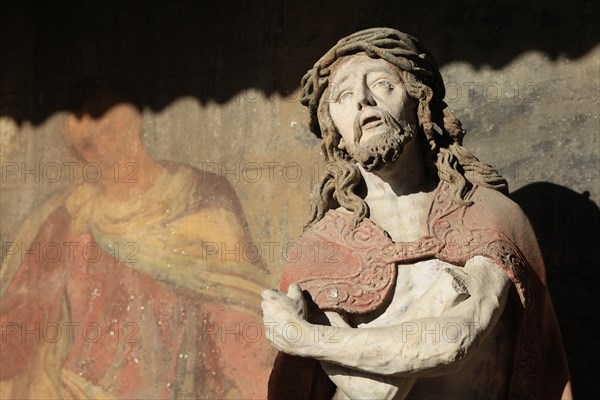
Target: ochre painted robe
column 147, row 303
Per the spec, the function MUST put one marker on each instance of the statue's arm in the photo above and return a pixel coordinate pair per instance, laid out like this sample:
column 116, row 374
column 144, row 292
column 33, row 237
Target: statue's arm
column 354, row 384
column 458, row 311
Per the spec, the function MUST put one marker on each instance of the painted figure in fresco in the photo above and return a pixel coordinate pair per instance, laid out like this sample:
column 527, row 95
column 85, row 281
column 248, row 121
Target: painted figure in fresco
column 436, row 287
column 140, row 303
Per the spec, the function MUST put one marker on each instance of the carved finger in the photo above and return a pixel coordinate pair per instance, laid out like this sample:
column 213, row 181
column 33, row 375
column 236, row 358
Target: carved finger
column 295, row 292
column 335, row 319
column 270, row 294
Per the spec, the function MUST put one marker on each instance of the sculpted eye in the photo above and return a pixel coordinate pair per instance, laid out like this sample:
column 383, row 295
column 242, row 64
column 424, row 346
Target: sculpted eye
column 383, row 84
column 344, row 96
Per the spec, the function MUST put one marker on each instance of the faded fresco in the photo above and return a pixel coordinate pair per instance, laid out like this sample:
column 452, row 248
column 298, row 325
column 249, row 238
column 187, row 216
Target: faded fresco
column 124, row 287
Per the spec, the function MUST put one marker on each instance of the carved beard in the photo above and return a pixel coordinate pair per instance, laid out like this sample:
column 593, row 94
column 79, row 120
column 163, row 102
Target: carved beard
column 385, row 147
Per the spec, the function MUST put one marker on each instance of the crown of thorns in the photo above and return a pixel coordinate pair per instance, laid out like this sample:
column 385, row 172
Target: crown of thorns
column 397, row 48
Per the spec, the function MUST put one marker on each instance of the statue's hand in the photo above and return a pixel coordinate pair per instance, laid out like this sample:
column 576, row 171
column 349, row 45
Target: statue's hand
column 284, row 317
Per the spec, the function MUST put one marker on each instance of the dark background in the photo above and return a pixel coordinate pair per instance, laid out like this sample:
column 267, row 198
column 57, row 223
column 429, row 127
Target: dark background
column 215, row 50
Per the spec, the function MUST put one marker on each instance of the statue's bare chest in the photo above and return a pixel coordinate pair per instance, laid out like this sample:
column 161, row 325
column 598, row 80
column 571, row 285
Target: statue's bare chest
column 412, row 282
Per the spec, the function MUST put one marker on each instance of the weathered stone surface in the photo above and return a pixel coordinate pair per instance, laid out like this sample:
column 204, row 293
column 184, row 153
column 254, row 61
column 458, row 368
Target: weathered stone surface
column 457, row 247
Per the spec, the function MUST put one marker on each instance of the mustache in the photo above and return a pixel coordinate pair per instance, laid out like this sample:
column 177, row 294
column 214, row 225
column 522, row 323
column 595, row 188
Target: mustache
column 384, row 148
column 384, row 115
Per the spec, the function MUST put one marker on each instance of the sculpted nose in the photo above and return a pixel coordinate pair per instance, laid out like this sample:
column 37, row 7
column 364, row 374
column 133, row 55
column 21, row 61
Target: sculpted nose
column 365, row 98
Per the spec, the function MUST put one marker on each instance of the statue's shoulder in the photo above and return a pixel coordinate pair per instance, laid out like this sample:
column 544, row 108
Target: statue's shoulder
column 335, row 261
column 340, row 226
column 493, row 209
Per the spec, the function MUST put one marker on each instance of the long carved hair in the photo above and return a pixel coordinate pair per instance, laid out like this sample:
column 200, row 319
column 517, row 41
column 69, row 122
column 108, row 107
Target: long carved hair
column 441, row 132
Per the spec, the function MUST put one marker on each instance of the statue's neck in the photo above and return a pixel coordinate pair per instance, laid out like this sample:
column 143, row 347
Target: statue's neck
column 399, row 197
column 408, row 175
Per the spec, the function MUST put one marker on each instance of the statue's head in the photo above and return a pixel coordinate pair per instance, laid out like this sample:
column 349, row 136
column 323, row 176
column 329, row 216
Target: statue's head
column 368, row 96
column 419, row 81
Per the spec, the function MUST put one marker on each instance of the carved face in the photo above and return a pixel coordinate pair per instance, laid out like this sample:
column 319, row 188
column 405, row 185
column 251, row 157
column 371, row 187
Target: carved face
column 371, row 109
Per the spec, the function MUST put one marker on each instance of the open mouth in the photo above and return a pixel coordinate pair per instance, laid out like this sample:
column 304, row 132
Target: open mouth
column 371, row 120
